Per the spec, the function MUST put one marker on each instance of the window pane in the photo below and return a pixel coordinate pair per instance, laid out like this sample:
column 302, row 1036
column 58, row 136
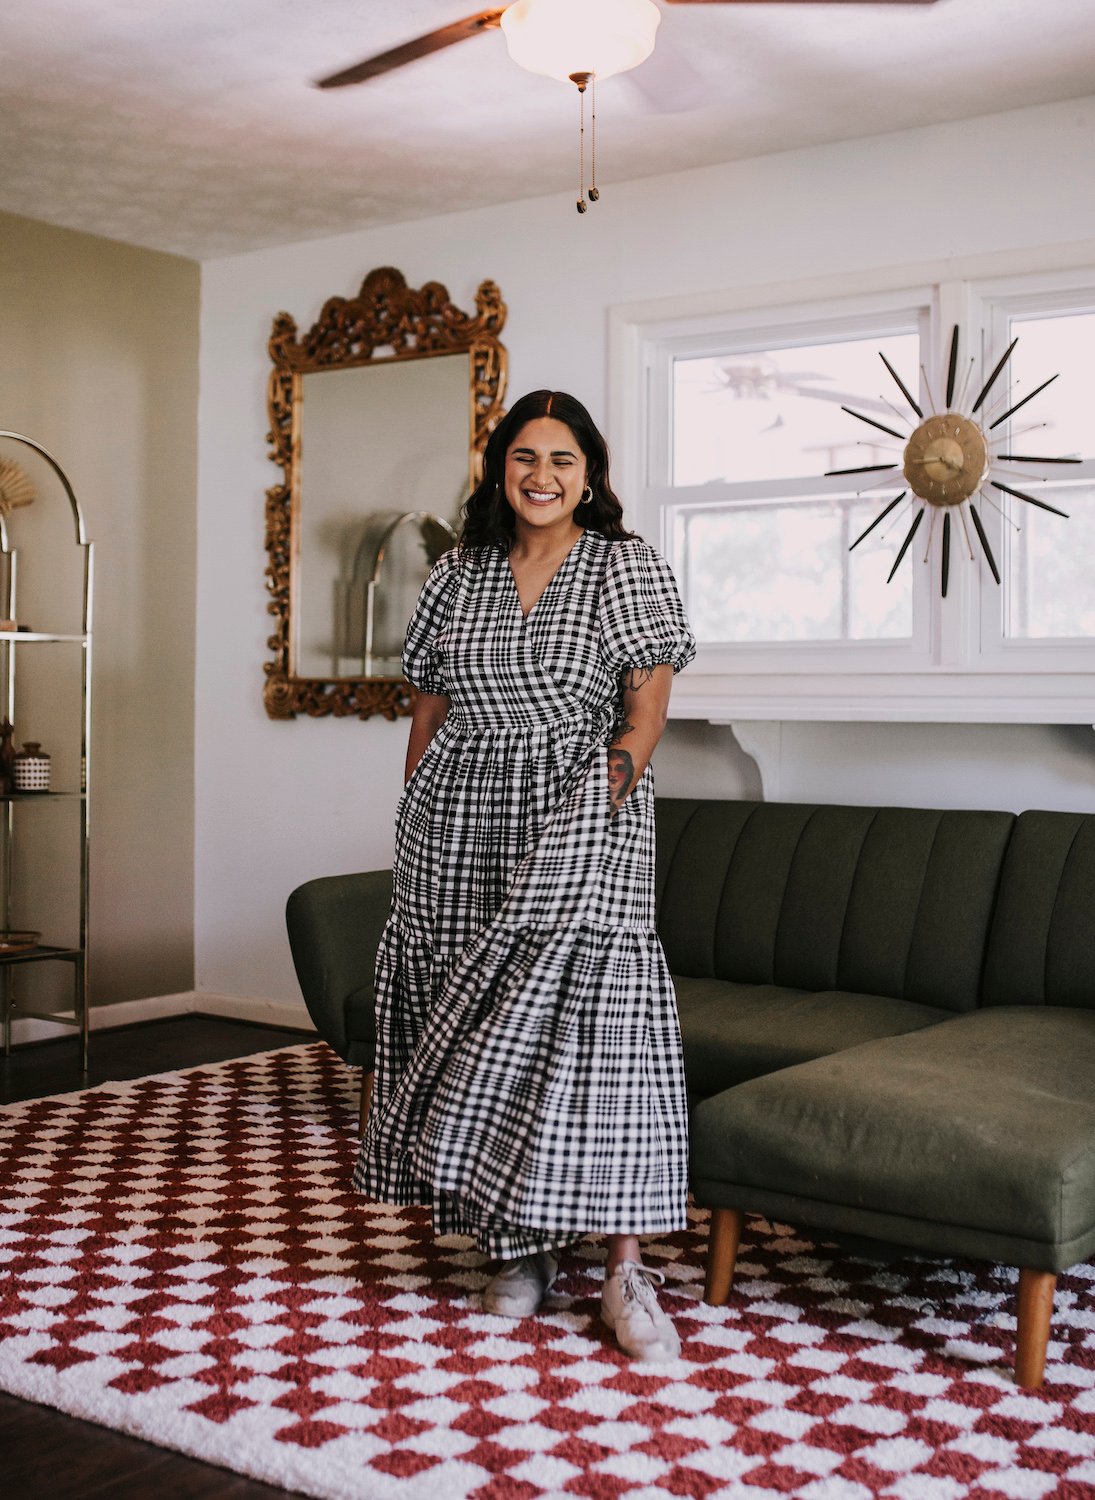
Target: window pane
column 782, row 572
column 1050, row 592
column 1049, row 559
column 775, row 414
column 1057, row 422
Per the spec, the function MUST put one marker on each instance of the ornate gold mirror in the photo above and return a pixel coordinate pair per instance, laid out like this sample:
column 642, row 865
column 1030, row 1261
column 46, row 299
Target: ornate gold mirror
column 378, row 419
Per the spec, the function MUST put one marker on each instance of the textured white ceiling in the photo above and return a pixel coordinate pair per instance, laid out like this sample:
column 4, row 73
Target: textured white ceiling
column 190, row 125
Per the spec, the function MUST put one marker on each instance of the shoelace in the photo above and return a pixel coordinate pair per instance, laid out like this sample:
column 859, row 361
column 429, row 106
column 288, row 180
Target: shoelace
column 638, row 1286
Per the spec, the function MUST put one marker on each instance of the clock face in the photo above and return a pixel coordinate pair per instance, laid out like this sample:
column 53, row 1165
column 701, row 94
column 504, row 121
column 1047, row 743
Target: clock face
column 946, row 459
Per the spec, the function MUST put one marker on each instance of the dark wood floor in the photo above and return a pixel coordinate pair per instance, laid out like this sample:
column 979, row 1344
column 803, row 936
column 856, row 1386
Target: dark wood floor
column 42, row 1452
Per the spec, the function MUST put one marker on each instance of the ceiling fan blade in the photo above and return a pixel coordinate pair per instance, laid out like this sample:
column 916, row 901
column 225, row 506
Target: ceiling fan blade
column 422, row 46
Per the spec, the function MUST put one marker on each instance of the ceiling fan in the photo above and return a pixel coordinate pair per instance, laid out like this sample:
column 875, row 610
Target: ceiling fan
column 490, row 20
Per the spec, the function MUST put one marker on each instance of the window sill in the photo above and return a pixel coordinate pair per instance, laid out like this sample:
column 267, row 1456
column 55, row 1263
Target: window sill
column 941, row 696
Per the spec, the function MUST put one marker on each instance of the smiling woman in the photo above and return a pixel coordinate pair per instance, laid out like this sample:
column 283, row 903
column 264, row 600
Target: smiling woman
column 529, row 1081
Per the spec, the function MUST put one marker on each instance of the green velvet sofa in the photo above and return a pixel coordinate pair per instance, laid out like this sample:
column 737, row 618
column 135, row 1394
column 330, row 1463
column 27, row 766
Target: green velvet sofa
column 889, row 1030
column 888, row 1018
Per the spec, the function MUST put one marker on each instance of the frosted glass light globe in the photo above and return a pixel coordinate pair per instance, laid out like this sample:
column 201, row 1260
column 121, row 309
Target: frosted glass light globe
column 561, row 37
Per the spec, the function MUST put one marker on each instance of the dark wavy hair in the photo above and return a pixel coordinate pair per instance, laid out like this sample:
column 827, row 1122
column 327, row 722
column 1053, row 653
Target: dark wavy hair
column 487, row 514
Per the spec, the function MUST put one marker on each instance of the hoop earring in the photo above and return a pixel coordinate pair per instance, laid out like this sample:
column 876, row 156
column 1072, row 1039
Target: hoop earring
column 587, row 496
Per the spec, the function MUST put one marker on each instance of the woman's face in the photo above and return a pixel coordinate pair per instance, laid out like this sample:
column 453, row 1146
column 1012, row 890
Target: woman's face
column 545, row 475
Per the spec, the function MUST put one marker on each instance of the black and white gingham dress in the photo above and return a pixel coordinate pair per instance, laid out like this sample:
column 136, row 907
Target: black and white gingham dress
column 529, row 1082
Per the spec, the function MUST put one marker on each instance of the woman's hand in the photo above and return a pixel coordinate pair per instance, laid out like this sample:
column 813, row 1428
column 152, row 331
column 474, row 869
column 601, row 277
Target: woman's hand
column 645, row 709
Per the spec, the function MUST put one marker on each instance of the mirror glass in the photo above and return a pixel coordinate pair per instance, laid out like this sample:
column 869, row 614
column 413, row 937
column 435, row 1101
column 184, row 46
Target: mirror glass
column 376, row 442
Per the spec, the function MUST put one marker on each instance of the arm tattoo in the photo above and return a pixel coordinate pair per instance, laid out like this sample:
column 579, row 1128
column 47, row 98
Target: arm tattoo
column 634, row 677
column 621, row 774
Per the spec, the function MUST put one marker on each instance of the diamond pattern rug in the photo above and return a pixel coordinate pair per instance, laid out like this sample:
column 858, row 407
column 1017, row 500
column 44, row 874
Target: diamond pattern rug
column 181, row 1259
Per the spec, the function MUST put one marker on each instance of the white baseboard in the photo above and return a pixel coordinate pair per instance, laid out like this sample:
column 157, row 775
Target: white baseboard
column 242, row 1008
column 155, row 1007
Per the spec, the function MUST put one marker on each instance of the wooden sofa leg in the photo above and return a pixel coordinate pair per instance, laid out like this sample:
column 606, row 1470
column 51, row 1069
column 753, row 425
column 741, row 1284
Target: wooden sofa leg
column 722, row 1252
column 1036, row 1290
column 366, row 1098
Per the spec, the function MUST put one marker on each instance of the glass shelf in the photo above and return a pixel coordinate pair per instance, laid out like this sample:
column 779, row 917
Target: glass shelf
column 43, row 796
column 39, row 635
column 41, row 953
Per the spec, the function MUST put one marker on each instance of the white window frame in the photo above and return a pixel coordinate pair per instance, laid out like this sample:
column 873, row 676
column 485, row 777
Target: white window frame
column 958, row 666
column 864, row 318
column 999, row 301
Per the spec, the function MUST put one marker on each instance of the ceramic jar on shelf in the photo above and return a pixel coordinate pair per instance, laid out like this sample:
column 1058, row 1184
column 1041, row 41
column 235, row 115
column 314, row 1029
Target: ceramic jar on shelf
column 32, row 768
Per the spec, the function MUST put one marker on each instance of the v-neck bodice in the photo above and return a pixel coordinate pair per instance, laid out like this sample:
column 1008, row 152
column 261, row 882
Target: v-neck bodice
column 560, row 569
column 506, row 671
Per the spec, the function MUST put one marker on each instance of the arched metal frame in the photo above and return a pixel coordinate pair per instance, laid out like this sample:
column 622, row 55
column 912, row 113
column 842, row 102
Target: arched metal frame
column 386, row 321
column 9, row 640
column 421, row 518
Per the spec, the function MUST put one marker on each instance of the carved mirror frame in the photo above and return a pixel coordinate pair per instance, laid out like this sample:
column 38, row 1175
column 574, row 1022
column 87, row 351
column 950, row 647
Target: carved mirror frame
column 386, row 321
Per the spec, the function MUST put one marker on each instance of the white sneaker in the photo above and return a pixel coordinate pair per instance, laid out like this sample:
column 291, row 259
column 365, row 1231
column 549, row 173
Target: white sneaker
column 520, row 1286
column 630, row 1308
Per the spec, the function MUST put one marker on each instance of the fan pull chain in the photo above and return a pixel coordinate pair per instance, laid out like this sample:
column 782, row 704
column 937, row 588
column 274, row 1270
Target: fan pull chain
column 594, row 191
column 581, row 81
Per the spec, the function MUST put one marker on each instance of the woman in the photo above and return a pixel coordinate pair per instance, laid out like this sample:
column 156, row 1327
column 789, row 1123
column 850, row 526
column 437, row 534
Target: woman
column 529, row 1080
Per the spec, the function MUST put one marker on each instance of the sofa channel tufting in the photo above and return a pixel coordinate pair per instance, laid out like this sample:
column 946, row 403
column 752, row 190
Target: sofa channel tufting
column 888, row 1017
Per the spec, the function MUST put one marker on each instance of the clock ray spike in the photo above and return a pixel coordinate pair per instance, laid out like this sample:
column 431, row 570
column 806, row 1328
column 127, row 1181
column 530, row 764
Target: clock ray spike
column 965, row 383
column 1033, row 458
column 952, row 368
column 931, row 532
column 1023, row 474
column 984, row 542
column 862, row 469
column 1036, row 391
column 1041, row 504
column 906, row 543
column 879, row 484
column 878, row 520
column 872, row 423
column 901, row 514
column 902, row 386
column 999, row 510
column 991, row 381
column 927, row 387
column 899, row 415
column 966, row 532
column 945, row 566
column 1005, row 437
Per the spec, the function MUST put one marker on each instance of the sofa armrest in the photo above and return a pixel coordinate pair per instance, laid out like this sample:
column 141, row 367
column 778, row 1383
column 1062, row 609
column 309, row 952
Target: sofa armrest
column 334, row 926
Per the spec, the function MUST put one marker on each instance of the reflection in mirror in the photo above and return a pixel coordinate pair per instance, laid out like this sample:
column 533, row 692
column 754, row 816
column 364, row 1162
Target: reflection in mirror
column 395, row 578
column 378, row 443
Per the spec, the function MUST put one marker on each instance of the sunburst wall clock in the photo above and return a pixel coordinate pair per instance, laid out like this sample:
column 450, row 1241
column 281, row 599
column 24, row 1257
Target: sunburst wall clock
column 950, row 460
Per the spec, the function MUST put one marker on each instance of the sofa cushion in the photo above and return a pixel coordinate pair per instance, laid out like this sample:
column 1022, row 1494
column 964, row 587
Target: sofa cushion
column 985, row 1122
column 1042, row 945
column 830, row 898
column 736, row 1031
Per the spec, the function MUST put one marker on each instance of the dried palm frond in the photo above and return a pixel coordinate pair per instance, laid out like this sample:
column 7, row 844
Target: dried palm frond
column 16, row 485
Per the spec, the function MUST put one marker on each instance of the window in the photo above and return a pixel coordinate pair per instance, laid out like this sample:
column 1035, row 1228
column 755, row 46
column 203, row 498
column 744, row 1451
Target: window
column 777, row 566
column 727, row 415
column 1049, row 594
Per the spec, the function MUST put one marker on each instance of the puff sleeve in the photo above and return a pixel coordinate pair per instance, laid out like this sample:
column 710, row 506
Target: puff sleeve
column 422, row 662
column 643, row 623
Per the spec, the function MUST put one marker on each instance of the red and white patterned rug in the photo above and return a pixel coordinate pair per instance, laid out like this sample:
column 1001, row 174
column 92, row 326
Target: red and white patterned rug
column 181, row 1259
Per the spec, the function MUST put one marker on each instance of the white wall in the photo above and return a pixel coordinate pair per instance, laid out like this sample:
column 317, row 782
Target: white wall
column 280, row 802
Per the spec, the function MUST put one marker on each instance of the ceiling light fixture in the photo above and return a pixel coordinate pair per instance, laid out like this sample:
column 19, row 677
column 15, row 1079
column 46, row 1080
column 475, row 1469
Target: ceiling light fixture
column 581, row 41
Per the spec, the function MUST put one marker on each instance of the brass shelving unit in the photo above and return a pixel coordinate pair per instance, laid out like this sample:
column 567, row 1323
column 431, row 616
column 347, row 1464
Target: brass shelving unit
column 13, row 645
